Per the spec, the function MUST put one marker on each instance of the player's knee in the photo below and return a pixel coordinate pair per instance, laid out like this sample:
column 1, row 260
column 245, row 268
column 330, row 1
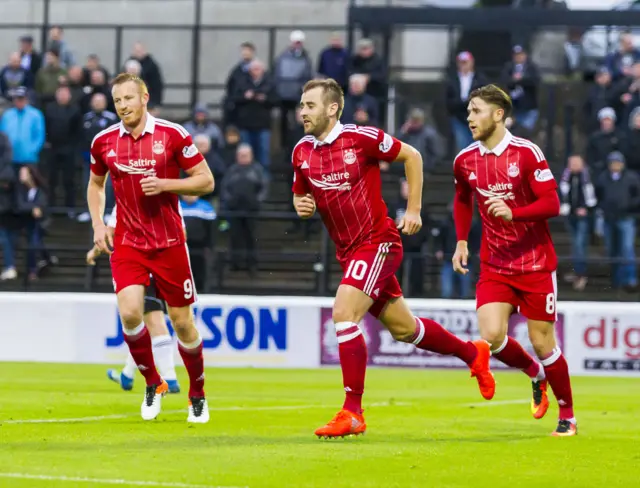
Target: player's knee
column 344, row 314
column 493, row 337
column 182, row 321
column 402, row 332
column 543, row 340
column 131, row 317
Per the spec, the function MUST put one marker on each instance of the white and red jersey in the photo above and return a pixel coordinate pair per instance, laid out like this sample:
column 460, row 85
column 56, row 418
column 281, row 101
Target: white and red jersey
column 343, row 175
column 516, row 171
column 162, row 150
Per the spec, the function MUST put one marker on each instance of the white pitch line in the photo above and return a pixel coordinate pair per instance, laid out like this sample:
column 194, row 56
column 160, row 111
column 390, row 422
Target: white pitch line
column 100, row 418
column 73, row 479
column 497, row 403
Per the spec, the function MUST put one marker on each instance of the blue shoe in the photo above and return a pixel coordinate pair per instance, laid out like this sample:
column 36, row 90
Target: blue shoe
column 174, row 387
column 125, row 382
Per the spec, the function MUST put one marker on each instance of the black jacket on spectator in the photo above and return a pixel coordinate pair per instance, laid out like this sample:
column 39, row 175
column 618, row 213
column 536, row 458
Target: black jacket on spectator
column 616, row 61
column 11, row 78
column 7, row 178
column 36, row 63
column 252, row 114
column 600, row 145
column 527, row 86
column 456, row 107
column 618, row 198
column 576, row 191
column 623, row 110
column 244, row 187
column 152, row 76
column 375, row 68
column 353, row 103
column 428, row 143
column 90, row 91
column 64, row 123
column 599, row 97
column 446, row 240
column 93, row 123
column 27, row 199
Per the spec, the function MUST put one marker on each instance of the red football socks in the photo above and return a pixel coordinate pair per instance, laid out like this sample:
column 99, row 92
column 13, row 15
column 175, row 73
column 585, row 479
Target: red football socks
column 513, row 355
column 557, row 371
column 139, row 342
column 352, row 349
column 194, row 363
column 431, row 336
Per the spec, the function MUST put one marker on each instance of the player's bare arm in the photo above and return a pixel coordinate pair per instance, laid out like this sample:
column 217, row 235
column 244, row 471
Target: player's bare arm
column 102, row 238
column 199, row 181
column 411, row 222
column 305, row 205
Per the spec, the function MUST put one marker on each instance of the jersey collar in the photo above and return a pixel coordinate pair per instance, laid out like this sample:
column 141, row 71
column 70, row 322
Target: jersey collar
column 149, row 126
column 331, row 137
column 500, row 148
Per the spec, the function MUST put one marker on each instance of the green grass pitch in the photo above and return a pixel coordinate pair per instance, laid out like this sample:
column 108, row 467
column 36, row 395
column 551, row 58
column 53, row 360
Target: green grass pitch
column 425, row 429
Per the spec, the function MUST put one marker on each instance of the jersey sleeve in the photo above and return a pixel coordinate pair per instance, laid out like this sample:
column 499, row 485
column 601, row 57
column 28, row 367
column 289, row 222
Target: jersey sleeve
column 299, row 185
column 378, row 145
column 98, row 165
column 537, row 172
column 462, row 202
column 185, row 151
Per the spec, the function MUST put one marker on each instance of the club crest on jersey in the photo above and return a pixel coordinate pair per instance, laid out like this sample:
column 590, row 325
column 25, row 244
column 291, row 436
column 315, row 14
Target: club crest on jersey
column 158, row 147
column 349, row 156
column 513, row 170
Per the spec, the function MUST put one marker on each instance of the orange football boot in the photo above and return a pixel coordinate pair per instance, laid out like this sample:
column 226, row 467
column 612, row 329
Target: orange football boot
column 344, row 423
column 540, row 400
column 565, row 429
column 480, row 369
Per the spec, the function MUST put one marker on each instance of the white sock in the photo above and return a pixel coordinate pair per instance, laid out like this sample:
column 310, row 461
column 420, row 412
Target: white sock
column 130, row 367
column 163, row 356
column 540, row 376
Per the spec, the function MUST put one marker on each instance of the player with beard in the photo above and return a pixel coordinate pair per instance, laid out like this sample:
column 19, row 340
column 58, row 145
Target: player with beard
column 337, row 171
column 144, row 156
column 516, row 194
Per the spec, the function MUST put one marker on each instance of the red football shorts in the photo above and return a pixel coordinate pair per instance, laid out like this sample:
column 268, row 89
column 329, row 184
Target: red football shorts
column 533, row 295
column 372, row 269
column 170, row 267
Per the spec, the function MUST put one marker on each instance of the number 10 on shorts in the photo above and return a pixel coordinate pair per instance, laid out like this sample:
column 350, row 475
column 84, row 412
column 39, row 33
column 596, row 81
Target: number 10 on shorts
column 356, row 270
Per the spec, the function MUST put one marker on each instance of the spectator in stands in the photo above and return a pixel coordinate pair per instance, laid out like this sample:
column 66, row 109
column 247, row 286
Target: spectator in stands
column 49, row 78
column 631, row 149
column 359, row 107
column 231, row 142
column 198, row 216
column 459, row 85
column 367, row 61
column 618, row 194
column 605, row 141
column 239, row 72
column 291, row 71
column 601, row 95
column 424, row 138
column 254, row 99
column 202, row 124
column 214, row 160
column 24, row 126
column 30, row 59
column 244, row 188
column 76, row 86
column 573, row 55
column 93, row 64
column 133, row 67
column 521, row 77
column 626, row 94
column 7, row 200
column 57, row 43
column 98, row 85
column 64, row 129
column 14, row 75
column 333, row 61
column 93, row 122
column 31, row 207
column 578, row 201
column 151, row 74
column 619, row 63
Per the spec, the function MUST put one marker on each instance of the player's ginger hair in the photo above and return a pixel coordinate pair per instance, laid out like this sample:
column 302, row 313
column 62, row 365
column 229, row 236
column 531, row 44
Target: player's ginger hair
column 332, row 92
column 494, row 95
column 126, row 77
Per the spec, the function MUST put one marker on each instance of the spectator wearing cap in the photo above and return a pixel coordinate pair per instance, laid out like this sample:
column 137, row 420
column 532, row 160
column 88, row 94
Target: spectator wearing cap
column 49, row 78
column 333, row 61
column 239, row 72
column 424, row 138
column 618, row 194
column 201, row 123
column 604, row 141
column 601, row 95
column 14, row 75
column 521, row 77
column 359, row 107
column 292, row 69
column 30, row 59
column 459, row 85
column 578, row 200
column 58, row 44
column 24, row 126
column 620, row 62
column 151, row 73
column 367, row 61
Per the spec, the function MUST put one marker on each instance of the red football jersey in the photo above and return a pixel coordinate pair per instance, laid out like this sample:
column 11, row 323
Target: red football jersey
column 516, row 171
column 343, row 175
column 162, row 150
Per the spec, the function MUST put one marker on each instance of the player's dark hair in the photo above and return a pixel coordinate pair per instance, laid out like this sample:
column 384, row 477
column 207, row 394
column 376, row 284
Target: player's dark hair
column 332, row 92
column 248, row 45
column 494, row 95
column 126, row 77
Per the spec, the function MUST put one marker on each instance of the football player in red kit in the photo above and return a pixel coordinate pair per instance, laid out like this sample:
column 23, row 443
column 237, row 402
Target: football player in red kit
column 516, row 194
column 337, row 172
